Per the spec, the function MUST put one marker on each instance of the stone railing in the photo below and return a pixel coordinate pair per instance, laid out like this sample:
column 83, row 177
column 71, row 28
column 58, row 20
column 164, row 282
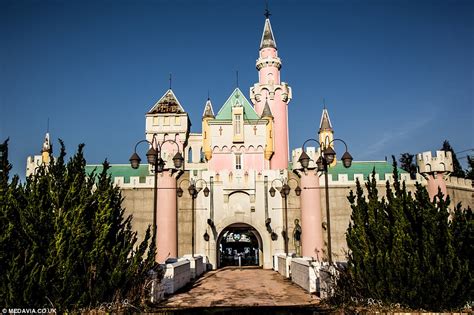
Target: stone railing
column 313, row 276
column 303, row 274
column 197, row 265
column 177, row 275
column 284, row 265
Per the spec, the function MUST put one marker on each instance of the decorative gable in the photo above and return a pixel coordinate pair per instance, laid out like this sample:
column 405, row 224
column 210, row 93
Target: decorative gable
column 237, row 99
column 167, row 104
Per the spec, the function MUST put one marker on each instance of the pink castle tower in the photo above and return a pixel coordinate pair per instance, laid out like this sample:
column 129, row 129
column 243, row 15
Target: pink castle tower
column 278, row 94
column 435, row 169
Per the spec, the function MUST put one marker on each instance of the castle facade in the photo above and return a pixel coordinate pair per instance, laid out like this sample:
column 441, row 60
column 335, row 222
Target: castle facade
column 252, row 199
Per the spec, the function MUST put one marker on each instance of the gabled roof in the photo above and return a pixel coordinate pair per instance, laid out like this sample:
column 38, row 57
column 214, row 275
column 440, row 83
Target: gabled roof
column 237, row 98
column 122, row 170
column 167, row 104
column 266, row 110
column 325, row 123
column 208, row 110
column 268, row 40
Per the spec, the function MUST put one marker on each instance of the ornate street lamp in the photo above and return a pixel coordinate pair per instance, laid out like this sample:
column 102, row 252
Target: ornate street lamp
column 326, row 157
column 193, row 192
column 153, row 157
column 285, row 190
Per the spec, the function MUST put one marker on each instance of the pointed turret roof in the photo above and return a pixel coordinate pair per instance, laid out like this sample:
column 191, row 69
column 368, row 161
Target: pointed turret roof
column 325, row 123
column 167, row 104
column 266, row 110
column 47, row 147
column 208, row 110
column 268, row 40
column 237, row 98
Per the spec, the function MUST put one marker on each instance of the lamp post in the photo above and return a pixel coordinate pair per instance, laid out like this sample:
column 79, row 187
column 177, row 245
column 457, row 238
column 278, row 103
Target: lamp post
column 193, row 192
column 327, row 156
column 284, row 192
column 154, row 158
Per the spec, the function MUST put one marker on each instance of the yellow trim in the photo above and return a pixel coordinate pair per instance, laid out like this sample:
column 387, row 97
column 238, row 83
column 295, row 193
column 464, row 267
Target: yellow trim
column 269, row 139
column 326, row 137
column 238, row 125
column 206, row 138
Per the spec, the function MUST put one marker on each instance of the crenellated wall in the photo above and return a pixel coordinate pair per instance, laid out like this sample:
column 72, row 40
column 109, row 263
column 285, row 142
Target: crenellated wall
column 239, row 196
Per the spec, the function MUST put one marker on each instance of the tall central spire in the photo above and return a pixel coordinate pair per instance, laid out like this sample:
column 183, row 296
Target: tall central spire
column 268, row 40
column 270, row 96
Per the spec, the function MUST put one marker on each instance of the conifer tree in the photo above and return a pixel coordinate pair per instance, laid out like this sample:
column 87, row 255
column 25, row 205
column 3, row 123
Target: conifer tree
column 67, row 242
column 404, row 249
column 457, row 168
column 470, row 170
column 407, row 163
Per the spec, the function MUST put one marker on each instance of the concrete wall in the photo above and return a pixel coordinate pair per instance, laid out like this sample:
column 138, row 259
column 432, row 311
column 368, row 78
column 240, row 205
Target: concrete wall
column 139, row 203
column 224, row 211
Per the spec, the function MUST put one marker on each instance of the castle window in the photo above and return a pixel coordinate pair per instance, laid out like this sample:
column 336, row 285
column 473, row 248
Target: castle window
column 190, row 155
column 238, row 161
column 201, row 156
column 177, row 120
column 155, row 120
column 237, row 124
column 166, row 121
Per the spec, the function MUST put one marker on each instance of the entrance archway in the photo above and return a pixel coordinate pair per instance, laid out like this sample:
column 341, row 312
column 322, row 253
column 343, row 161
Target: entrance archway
column 239, row 239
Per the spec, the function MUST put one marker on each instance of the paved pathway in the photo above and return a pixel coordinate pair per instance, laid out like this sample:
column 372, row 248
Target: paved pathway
column 231, row 287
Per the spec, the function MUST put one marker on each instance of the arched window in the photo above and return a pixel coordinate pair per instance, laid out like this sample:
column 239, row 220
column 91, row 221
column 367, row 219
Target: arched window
column 201, row 156
column 190, row 155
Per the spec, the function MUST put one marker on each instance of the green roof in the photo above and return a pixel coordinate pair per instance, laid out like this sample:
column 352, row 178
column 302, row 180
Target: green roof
column 122, row 170
column 237, row 98
column 365, row 168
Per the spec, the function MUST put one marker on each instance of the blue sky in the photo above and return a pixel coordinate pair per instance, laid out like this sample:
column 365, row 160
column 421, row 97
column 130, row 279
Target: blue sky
column 397, row 76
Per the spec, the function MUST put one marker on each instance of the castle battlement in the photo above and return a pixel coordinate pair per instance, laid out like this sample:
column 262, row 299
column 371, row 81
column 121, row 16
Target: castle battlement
column 312, row 153
column 462, row 183
column 442, row 162
column 246, row 180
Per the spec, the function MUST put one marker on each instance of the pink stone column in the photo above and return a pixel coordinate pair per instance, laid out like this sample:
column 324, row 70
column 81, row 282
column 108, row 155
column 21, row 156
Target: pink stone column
column 166, row 225
column 311, row 220
column 435, row 181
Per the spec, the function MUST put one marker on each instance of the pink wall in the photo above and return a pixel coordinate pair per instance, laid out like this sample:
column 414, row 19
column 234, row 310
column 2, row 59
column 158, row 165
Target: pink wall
column 167, row 232
column 259, row 105
column 267, row 74
column 254, row 161
column 311, row 219
column 434, row 181
column 279, row 110
column 280, row 132
column 225, row 161
column 220, row 161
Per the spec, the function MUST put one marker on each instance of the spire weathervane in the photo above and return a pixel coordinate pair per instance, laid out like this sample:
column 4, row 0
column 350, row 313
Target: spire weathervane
column 171, row 79
column 324, row 103
column 267, row 12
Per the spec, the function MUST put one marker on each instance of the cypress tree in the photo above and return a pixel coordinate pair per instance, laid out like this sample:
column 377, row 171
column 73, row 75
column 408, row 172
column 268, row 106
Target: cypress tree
column 470, row 169
column 407, row 163
column 67, row 242
column 404, row 249
column 457, row 168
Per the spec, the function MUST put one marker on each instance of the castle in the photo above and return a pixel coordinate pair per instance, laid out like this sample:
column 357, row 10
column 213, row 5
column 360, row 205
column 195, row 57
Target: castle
column 236, row 164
